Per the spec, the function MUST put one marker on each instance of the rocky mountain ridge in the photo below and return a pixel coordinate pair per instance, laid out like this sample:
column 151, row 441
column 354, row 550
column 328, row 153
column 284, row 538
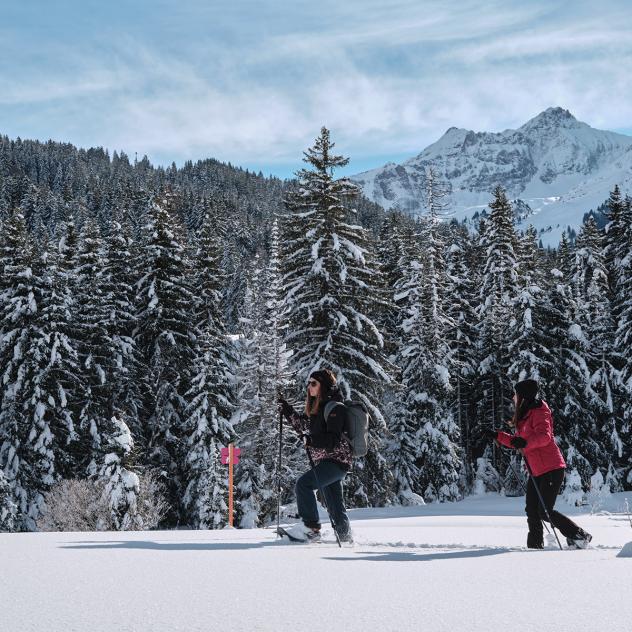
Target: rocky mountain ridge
column 557, row 166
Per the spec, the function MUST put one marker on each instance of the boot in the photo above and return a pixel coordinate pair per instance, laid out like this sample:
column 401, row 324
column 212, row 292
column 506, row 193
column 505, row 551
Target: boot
column 346, row 537
column 580, row 540
column 535, row 540
column 302, row 532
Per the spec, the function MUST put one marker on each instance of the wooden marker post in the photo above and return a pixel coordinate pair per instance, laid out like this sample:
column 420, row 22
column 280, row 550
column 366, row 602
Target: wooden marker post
column 230, row 457
column 230, row 483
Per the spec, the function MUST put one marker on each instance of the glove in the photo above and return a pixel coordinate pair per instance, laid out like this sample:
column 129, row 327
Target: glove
column 490, row 434
column 518, row 443
column 284, row 408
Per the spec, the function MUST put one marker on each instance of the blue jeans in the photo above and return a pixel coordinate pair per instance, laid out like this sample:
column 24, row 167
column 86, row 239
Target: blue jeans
column 330, row 476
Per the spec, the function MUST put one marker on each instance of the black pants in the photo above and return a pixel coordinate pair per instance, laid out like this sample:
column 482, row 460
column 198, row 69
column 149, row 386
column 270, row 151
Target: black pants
column 549, row 485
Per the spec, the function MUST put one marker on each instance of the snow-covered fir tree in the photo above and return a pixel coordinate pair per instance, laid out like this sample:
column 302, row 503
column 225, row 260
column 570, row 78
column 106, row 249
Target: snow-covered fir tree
column 531, row 343
column 62, row 382
column 330, row 283
column 461, row 337
column 18, row 329
column 619, row 263
column 8, row 508
column 40, row 369
column 117, row 279
column 206, row 419
column 594, row 330
column 623, row 339
column 121, row 483
column 425, row 361
column 165, row 338
column 206, row 429
column 257, row 424
column 262, row 376
column 566, row 391
column 495, row 311
column 614, row 244
column 95, row 350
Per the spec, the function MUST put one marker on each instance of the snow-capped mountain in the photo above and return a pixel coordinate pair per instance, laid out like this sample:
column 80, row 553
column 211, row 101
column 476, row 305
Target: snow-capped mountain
column 558, row 167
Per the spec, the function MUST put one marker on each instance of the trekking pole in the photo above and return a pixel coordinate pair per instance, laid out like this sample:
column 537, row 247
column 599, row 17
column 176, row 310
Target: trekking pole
column 524, row 487
column 537, row 489
column 322, row 495
column 279, row 472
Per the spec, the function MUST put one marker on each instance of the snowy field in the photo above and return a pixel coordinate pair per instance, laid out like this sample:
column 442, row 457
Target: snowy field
column 458, row 566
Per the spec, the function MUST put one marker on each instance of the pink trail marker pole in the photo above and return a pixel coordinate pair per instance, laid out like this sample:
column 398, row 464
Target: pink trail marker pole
column 230, row 457
column 230, row 484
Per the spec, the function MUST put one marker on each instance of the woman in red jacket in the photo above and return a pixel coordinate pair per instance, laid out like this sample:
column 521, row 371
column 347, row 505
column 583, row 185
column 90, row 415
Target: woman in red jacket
column 533, row 435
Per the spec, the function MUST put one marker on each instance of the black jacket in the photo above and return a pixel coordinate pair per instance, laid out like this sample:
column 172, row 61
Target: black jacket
column 324, row 440
column 327, row 435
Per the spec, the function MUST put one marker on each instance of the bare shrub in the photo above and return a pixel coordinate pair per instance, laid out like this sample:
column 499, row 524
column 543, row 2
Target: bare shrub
column 152, row 505
column 76, row 505
column 83, row 505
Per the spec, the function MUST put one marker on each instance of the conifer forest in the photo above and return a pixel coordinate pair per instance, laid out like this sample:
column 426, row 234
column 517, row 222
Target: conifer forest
column 149, row 316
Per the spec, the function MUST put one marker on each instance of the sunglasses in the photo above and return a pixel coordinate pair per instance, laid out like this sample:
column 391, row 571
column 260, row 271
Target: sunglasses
column 312, row 383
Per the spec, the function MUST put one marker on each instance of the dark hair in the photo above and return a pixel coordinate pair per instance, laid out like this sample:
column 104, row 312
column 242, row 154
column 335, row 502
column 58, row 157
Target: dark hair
column 327, row 381
column 526, row 392
column 523, row 406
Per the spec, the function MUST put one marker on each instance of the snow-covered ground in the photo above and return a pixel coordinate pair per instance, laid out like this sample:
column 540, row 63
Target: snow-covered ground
column 456, row 566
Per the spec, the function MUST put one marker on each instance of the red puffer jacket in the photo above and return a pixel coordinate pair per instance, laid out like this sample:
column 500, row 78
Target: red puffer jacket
column 536, row 429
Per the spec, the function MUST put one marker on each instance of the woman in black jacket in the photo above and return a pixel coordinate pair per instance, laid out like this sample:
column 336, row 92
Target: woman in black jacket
column 331, row 454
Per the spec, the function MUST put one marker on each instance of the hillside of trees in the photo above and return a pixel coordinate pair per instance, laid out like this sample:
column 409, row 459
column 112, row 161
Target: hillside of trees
column 148, row 316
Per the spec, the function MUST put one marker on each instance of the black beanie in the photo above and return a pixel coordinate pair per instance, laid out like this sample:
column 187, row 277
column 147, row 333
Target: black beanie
column 326, row 378
column 527, row 389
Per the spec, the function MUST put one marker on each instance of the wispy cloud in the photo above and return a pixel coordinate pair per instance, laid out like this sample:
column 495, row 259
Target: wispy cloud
column 253, row 84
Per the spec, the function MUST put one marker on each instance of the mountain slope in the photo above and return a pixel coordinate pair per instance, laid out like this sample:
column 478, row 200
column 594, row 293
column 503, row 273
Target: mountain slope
column 557, row 165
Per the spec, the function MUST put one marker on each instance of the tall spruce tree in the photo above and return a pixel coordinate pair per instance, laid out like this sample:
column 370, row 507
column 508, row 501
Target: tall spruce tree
column 95, row 350
column 495, row 311
column 59, row 382
column 462, row 337
column 40, row 372
column 426, row 363
column 530, row 346
column 594, row 331
column 165, row 338
column 330, row 282
column 210, row 398
column 119, row 293
column 20, row 294
column 262, row 376
column 623, row 338
column 565, row 392
column 206, row 428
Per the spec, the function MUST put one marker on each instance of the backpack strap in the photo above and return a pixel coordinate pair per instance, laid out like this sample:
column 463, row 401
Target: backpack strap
column 329, row 406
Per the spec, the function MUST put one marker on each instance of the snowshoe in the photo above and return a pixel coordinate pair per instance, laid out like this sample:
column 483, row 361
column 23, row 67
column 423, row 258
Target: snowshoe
column 581, row 541
column 300, row 533
column 346, row 538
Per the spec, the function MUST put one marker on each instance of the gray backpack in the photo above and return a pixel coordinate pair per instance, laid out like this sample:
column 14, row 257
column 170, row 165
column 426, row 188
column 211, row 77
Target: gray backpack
column 356, row 428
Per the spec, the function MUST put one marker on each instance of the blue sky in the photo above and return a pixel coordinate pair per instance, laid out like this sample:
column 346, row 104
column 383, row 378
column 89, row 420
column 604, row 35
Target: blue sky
column 251, row 82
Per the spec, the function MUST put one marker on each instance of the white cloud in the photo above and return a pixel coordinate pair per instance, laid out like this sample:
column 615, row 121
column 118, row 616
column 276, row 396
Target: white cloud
column 385, row 77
